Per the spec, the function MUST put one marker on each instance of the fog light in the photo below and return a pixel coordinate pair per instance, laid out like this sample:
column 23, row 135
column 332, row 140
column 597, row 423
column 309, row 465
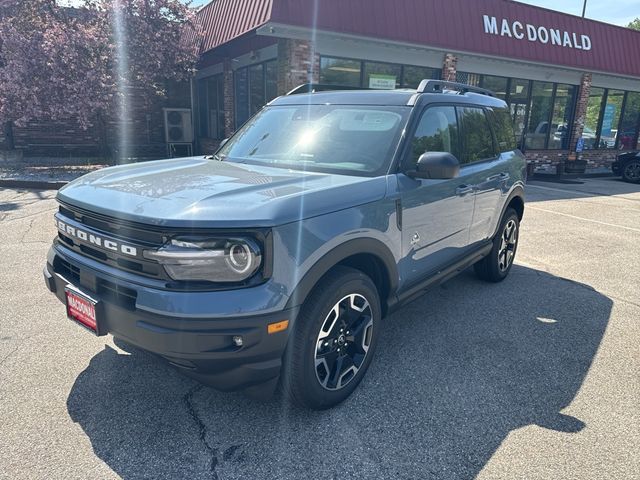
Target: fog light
column 237, row 339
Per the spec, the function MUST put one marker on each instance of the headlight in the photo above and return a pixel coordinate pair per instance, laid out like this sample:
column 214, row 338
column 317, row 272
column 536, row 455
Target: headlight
column 209, row 259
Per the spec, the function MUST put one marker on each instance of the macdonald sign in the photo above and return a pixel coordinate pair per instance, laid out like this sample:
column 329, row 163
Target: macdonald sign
column 495, row 28
column 534, row 33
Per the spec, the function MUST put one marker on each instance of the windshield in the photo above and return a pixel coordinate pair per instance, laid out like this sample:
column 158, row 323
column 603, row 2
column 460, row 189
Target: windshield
column 355, row 140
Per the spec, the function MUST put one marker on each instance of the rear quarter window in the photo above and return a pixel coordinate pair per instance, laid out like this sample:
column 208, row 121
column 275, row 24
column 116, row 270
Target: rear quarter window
column 503, row 128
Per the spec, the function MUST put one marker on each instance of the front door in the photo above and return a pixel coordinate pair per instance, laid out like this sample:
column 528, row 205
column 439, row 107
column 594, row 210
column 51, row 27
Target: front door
column 436, row 214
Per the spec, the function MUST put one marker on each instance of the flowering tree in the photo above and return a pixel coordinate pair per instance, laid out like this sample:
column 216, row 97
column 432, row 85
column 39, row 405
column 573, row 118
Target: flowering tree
column 60, row 63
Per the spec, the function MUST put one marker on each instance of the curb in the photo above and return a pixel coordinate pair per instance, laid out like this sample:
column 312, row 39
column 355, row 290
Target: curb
column 31, row 184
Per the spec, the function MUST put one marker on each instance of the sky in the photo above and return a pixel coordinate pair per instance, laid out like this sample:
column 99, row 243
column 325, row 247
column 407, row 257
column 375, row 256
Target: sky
column 618, row 12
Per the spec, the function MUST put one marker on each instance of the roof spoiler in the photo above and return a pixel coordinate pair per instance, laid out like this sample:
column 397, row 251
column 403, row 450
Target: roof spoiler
column 438, row 86
column 322, row 87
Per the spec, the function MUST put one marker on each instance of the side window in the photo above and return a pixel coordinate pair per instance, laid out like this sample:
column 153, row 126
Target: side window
column 503, row 128
column 477, row 139
column 437, row 132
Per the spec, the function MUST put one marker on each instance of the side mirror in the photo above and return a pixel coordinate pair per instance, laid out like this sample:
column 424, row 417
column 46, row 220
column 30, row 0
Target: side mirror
column 436, row 165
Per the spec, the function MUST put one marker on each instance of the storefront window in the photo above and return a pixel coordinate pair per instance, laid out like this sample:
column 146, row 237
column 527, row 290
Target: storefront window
column 412, row 76
column 592, row 118
column 611, row 118
column 497, row 85
column 211, row 107
column 271, row 79
column 561, row 117
column 382, row 75
column 254, row 87
column 518, row 100
column 628, row 131
column 539, row 113
column 340, row 71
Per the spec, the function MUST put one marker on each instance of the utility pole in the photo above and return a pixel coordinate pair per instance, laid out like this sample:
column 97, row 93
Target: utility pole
column 584, row 8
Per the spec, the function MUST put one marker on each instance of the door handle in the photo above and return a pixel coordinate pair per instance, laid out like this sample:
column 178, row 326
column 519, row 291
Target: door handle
column 502, row 177
column 463, row 190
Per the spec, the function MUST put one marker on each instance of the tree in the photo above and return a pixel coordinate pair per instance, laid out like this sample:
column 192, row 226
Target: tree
column 635, row 24
column 76, row 63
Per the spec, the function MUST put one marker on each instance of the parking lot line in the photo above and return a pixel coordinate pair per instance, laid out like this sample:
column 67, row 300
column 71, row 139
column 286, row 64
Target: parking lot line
column 585, row 219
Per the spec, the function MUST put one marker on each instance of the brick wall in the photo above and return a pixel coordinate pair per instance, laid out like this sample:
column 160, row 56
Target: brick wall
column 449, row 67
column 229, row 107
column 297, row 64
column 581, row 110
column 548, row 159
column 598, row 158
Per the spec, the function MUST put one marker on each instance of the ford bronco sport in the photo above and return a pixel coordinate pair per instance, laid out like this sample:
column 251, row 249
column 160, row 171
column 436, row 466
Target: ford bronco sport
column 275, row 260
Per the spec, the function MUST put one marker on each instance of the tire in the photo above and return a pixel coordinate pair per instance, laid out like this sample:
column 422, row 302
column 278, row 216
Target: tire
column 631, row 171
column 311, row 376
column 496, row 266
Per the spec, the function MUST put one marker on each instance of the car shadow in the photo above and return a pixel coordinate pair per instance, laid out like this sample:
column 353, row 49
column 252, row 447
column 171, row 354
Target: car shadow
column 455, row 372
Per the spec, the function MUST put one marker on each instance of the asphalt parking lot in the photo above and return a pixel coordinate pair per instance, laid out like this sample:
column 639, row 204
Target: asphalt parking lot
column 537, row 377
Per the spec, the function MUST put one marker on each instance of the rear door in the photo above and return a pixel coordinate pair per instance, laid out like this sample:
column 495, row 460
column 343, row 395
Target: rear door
column 436, row 214
column 487, row 170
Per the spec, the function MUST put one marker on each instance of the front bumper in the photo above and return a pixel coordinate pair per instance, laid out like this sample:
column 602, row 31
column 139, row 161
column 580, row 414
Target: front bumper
column 200, row 346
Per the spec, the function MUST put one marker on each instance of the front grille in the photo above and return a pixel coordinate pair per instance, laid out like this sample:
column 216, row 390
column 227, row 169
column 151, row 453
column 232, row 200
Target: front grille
column 114, row 230
column 70, row 272
column 123, row 296
column 112, row 226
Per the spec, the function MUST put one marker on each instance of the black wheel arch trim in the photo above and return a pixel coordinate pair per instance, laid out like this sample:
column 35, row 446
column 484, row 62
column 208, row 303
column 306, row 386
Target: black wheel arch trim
column 357, row 246
column 517, row 191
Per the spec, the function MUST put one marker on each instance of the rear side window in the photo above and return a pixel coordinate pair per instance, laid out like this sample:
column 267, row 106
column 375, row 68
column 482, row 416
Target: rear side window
column 436, row 132
column 503, row 128
column 477, row 138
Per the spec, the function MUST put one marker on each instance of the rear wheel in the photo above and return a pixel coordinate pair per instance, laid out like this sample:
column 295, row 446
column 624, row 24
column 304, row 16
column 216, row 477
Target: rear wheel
column 333, row 341
column 496, row 266
column 631, row 171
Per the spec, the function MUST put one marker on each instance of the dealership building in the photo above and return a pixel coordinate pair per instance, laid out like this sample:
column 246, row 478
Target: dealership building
column 572, row 84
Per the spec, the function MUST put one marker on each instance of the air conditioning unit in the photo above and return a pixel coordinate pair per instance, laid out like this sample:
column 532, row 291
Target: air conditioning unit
column 178, row 127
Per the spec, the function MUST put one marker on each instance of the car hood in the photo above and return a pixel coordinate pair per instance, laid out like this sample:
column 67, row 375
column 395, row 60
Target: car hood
column 196, row 192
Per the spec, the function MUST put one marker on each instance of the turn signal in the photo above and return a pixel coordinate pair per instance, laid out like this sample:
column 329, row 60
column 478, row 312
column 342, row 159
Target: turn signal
column 278, row 326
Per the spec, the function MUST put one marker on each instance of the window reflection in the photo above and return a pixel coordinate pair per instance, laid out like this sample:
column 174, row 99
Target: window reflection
column 560, row 131
column 539, row 113
column 628, row 131
column 611, row 118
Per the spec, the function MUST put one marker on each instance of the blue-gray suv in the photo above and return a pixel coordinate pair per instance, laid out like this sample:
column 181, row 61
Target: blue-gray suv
column 274, row 261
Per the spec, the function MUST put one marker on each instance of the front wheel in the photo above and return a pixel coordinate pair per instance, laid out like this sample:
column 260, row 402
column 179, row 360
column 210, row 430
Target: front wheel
column 631, row 171
column 496, row 266
column 333, row 341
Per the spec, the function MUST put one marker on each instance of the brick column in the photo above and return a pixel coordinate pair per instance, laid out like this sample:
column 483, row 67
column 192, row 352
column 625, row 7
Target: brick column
column 229, row 107
column 581, row 110
column 297, row 64
column 449, row 67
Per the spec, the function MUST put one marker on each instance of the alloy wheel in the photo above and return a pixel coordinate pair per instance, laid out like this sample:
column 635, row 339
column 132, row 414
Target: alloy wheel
column 343, row 341
column 632, row 171
column 508, row 242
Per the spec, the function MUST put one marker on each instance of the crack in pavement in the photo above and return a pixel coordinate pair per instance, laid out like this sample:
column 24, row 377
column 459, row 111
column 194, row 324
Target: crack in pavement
column 202, row 429
column 233, row 453
column 5, row 219
column 10, row 353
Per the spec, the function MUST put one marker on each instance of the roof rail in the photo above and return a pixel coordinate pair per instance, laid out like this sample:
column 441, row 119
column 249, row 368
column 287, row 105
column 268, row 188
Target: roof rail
column 321, row 87
column 438, row 86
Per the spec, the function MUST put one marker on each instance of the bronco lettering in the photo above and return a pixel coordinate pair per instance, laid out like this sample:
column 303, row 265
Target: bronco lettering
column 70, row 231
